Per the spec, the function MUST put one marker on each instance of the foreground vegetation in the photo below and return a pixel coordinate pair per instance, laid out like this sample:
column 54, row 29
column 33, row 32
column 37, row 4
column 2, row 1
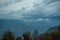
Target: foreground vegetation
column 49, row 35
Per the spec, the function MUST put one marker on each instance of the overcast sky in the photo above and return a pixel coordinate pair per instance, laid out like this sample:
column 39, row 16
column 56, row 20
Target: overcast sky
column 38, row 14
column 25, row 9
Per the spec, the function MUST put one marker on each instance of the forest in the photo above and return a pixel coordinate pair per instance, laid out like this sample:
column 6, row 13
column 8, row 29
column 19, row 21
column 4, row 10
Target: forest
column 48, row 35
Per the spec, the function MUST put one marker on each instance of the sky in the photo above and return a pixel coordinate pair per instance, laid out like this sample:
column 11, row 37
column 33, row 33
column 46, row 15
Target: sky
column 35, row 13
column 29, row 9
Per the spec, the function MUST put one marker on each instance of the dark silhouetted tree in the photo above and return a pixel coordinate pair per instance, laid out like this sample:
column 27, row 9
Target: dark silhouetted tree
column 19, row 38
column 8, row 35
column 53, row 35
column 26, row 36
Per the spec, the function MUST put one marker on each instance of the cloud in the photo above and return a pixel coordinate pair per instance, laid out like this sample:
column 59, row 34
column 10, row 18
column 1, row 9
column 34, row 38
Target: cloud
column 15, row 9
column 9, row 1
column 51, row 9
column 47, row 20
column 5, row 3
column 24, row 6
column 51, row 1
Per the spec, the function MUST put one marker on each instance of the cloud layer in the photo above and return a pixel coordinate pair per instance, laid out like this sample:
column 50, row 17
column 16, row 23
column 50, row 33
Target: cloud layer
column 25, row 9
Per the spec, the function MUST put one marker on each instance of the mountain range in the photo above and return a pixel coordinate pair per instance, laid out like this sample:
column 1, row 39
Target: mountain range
column 20, row 26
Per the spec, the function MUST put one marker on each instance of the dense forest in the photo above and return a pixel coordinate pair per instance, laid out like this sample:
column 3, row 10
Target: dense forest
column 51, row 34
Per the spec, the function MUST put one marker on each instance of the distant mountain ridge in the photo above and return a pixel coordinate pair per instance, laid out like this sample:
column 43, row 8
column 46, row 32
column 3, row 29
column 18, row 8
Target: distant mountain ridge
column 16, row 26
column 19, row 26
column 51, row 33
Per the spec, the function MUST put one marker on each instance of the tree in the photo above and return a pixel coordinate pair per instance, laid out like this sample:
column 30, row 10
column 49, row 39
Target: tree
column 26, row 36
column 8, row 35
column 55, row 35
column 35, row 35
column 48, row 36
column 19, row 38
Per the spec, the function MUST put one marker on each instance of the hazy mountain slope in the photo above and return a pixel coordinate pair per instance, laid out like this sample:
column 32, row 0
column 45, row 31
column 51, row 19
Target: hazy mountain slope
column 19, row 26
